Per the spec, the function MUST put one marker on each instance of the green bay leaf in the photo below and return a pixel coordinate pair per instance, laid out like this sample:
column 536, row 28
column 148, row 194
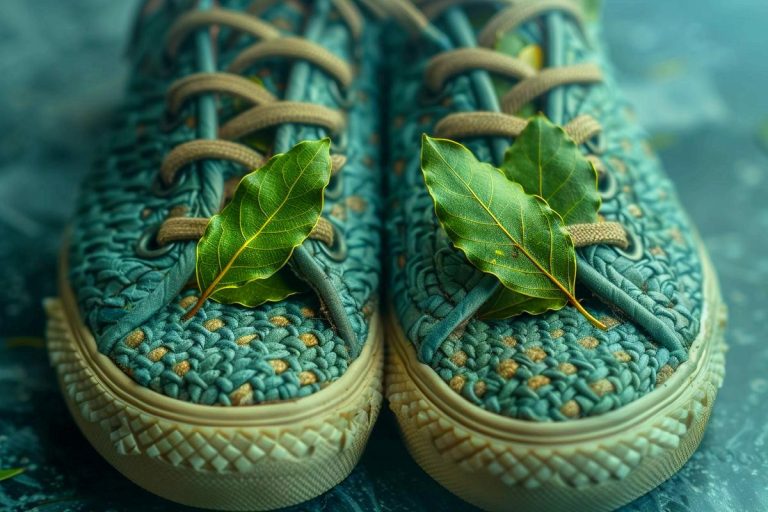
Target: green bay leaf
column 506, row 303
column 278, row 286
column 501, row 229
column 7, row 474
column 273, row 211
column 547, row 163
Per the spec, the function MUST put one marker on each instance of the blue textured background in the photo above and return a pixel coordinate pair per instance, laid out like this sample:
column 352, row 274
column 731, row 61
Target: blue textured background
column 696, row 78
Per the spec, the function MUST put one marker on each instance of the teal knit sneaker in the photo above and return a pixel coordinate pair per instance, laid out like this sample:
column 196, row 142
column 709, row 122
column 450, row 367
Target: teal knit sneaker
column 606, row 390
column 208, row 402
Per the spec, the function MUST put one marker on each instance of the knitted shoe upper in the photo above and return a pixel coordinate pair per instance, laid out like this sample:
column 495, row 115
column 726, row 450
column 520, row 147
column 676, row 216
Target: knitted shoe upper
column 133, row 294
column 553, row 366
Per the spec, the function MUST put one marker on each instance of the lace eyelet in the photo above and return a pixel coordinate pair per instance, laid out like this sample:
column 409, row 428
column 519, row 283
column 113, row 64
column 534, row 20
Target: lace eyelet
column 607, row 185
column 339, row 143
column 427, row 98
column 345, row 100
column 635, row 249
column 147, row 246
column 596, row 145
column 165, row 66
column 160, row 189
column 169, row 122
column 335, row 188
column 358, row 52
column 337, row 251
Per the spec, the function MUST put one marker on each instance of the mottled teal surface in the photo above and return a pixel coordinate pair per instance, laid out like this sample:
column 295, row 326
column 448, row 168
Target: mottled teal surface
column 696, row 80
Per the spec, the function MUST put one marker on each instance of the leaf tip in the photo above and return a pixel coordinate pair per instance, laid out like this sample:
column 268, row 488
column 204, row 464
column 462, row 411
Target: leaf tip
column 435, row 141
column 426, row 141
column 7, row 474
column 426, row 145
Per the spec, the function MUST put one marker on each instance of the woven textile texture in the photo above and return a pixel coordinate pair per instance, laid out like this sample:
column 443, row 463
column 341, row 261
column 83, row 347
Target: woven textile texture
column 554, row 366
column 226, row 354
column 64, row 71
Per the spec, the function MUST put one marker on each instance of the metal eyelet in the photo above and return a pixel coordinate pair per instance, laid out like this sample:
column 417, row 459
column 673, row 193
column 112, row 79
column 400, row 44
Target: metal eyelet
column 335, row 188
column 337, row 251
column 635, row 250
column 147, row 246
column 160, row 189
column 607, row 184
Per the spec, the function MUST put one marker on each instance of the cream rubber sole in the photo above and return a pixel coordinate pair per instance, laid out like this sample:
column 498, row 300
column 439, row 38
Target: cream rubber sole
column 598, row 463
column 256, row 457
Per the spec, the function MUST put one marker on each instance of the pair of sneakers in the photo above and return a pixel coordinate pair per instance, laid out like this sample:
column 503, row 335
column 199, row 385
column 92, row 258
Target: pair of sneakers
column 553, row 327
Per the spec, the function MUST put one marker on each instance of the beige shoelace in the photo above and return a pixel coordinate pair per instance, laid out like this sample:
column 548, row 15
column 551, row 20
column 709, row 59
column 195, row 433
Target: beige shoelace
column 531, row 84
column 266, row 111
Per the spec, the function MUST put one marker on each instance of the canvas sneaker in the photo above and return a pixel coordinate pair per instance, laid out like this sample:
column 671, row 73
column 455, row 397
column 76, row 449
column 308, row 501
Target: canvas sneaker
column 545, row 411
column 236, row 408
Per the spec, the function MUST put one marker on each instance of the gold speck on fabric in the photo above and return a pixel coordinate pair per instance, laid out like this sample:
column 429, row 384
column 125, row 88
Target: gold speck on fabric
column 307, row 378
column 135, row 338
column 308, row 339
column 157, row 354
column 214, row 324
column 278, row 365
column 507, row 368
column 457, row 383
column 538, row 381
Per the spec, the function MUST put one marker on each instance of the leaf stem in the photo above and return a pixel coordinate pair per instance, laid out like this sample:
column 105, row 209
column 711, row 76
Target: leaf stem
column 594, row 321
column 192, row 312
column 571, row 297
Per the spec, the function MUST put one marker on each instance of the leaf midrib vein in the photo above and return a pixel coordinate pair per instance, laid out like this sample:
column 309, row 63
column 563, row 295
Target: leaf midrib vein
column 506, row 232
column 231, row 261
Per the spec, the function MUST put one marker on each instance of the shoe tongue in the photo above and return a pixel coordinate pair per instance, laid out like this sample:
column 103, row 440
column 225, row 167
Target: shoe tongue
column 527, row 44
column 532, row 42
